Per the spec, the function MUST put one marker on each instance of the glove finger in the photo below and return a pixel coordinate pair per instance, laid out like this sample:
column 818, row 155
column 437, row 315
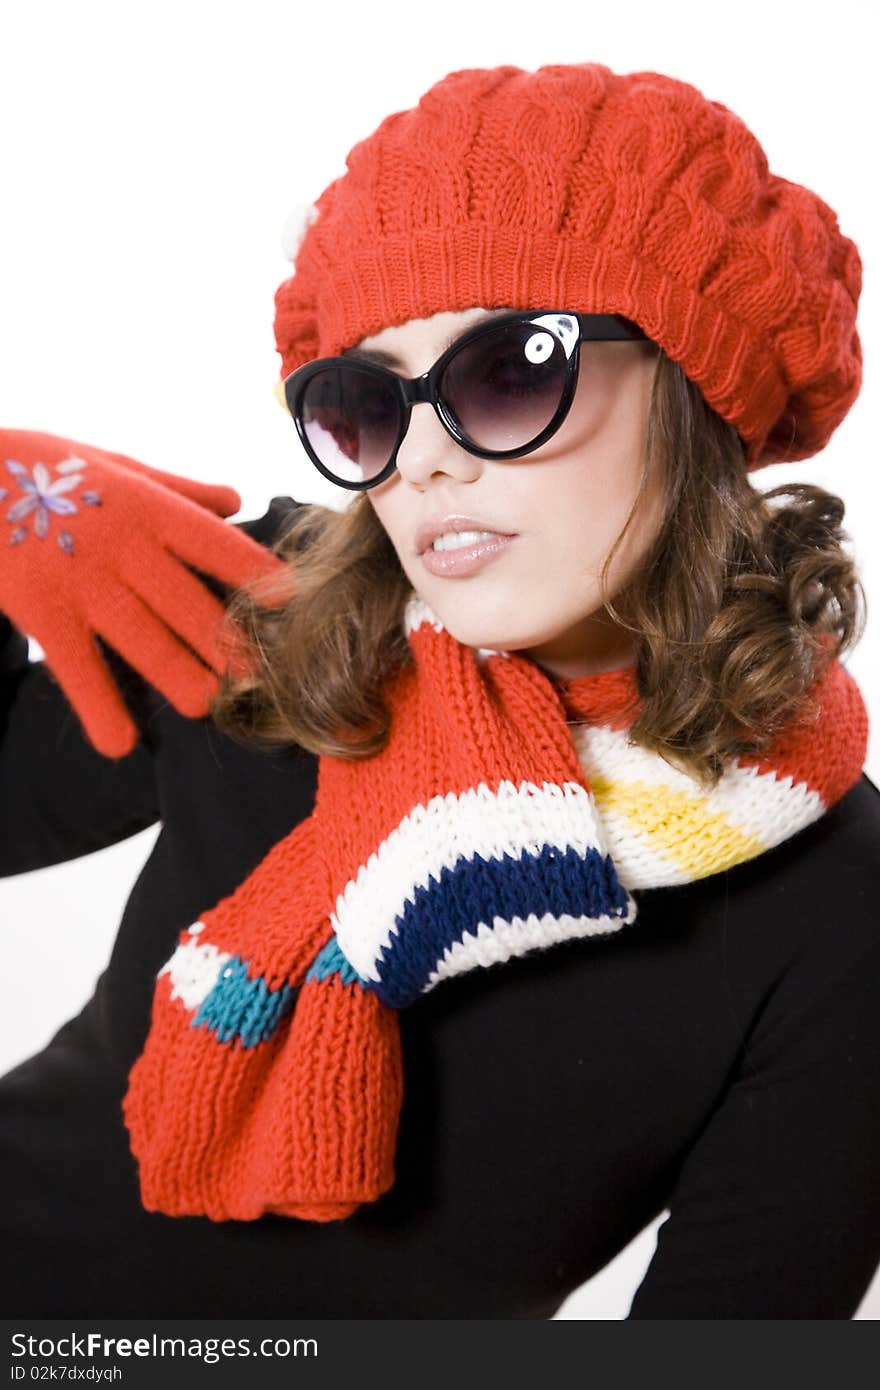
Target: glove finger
column 75, row 660
column 228, row 553
column 141, row 639
column 214, row 497
column 181, row 600
column 224, row 501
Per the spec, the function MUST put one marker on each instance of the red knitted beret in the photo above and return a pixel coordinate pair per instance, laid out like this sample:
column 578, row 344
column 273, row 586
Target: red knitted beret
column 576, row 188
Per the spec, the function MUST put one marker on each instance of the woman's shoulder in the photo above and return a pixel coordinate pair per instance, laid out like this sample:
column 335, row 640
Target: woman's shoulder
column 856, row 818
column 816, row 896
column 271, row 526
column 842, row 849
column 266, row 529
column 834, row 859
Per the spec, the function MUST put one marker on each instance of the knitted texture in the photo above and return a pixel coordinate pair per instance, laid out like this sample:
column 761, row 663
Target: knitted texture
column 579, row 189
column 271, row 1077
column 97, row 544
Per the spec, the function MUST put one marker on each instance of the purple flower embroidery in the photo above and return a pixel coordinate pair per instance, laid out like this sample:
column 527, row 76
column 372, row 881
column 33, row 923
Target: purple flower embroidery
column 43, row 496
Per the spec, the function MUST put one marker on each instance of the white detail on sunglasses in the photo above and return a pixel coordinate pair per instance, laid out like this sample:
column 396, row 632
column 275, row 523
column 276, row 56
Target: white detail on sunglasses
column 564, row 327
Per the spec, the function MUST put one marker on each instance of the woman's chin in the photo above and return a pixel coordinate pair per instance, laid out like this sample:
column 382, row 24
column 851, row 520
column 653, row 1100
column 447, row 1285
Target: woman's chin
column 486, row 638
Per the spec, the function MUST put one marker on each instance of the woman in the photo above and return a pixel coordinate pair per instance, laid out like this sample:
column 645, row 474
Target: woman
column 559, row 307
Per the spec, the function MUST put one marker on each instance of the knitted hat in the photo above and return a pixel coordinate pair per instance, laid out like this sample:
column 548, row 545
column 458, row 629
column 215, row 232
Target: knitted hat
column 576, row 188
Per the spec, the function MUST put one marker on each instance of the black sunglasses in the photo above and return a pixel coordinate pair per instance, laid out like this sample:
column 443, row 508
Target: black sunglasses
column 500, row 390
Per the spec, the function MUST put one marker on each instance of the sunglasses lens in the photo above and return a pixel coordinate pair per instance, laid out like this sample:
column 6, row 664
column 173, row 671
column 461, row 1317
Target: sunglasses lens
column 504, row 388
column 351, row 419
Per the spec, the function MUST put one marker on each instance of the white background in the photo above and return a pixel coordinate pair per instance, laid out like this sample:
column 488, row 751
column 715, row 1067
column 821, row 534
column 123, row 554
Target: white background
column 149, row 159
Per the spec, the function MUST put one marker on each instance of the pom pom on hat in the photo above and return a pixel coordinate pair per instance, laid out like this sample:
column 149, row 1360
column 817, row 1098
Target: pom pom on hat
column 296, row 224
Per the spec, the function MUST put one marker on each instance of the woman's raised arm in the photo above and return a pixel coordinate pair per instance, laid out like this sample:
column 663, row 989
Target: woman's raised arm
column 97, row 545
column 59, row 797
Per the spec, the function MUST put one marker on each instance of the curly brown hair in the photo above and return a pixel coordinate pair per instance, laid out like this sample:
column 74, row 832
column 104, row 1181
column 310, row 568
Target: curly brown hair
column 736, row 609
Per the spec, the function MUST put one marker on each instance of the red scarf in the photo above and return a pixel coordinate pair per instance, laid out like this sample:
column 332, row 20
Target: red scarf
column 271, row 1077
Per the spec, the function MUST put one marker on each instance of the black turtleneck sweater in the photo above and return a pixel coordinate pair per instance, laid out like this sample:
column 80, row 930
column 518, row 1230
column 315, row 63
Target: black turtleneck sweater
column 720, row 1058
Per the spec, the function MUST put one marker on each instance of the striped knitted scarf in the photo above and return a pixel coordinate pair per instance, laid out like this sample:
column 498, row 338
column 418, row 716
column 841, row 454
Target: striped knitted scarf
column 271, row 1078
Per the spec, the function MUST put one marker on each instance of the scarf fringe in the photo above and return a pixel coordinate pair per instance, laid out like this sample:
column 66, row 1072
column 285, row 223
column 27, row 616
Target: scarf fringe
column 235, row 1133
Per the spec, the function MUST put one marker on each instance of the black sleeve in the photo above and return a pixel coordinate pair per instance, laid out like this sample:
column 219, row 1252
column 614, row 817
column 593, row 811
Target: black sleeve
column 776, row 1208
column 59, row 797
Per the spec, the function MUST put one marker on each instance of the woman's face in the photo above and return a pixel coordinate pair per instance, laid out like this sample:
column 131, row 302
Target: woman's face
column 565, row 503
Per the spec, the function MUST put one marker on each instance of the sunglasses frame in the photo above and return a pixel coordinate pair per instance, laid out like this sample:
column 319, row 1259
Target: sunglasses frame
column 413, row 390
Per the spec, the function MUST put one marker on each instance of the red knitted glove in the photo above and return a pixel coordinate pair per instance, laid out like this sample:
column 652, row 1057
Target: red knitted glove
column 97, row 543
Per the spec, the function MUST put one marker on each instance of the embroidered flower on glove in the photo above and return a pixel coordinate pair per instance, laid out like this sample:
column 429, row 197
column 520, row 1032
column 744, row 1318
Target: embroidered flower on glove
column 43, row 495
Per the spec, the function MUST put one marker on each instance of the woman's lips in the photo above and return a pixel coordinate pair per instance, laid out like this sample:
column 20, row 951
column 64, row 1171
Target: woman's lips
column 466, row 560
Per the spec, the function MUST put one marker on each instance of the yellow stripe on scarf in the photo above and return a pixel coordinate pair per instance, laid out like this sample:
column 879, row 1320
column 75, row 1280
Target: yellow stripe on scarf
column 678, row 824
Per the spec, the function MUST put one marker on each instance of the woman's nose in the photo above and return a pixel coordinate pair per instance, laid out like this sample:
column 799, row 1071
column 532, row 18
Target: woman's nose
column 428, row 448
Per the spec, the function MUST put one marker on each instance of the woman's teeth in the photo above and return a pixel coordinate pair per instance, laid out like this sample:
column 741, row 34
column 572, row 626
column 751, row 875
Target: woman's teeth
column 454, row 540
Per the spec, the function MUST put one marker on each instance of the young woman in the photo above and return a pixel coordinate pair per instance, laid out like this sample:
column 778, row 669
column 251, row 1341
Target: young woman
column 519, row 886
